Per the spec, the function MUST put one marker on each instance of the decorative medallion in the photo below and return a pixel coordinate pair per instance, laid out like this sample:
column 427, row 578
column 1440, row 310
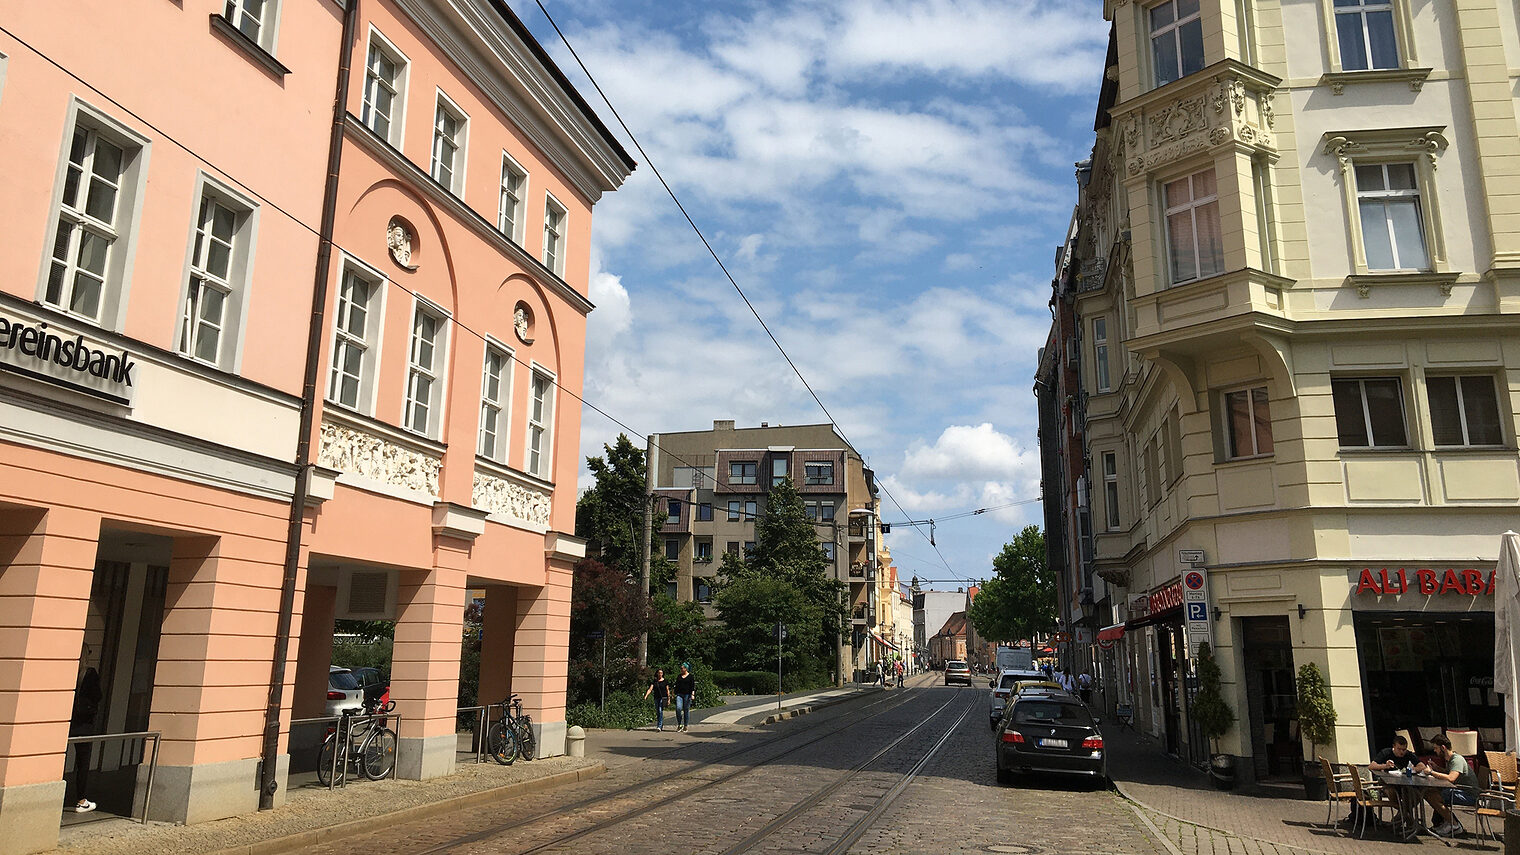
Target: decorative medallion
column 399, row 238
column 522, row 323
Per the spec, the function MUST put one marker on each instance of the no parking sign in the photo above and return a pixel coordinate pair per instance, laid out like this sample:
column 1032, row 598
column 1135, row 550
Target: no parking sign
column 1195, row 600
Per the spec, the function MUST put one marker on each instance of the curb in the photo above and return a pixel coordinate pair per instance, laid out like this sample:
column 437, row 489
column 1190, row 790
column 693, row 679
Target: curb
column 306, row 839
column 796, row 711
column 1136, row 803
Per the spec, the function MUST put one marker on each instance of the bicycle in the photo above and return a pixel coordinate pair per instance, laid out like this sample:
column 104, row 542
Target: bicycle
column 512, row 735
column 370, row 746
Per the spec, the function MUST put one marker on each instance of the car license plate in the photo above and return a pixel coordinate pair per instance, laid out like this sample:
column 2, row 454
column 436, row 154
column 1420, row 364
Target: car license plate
column 1054, row 743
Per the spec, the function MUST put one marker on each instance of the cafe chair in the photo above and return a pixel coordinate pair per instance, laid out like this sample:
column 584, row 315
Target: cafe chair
column 1464, row 742
column 1492, row 738
column 1335, row 788
column 1502, row 771
column 1426, row 734
column 1491, row 806
column 1369, row 799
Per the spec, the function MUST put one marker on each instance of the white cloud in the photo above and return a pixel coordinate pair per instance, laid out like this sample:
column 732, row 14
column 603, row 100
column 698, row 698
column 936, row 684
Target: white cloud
column 969, row 451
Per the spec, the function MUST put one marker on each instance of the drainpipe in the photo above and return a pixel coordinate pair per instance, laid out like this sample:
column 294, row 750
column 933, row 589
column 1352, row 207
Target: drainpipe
column 318, row 323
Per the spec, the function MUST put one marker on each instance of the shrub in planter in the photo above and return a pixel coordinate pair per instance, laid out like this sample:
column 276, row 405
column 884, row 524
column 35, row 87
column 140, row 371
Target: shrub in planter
column 1213, row 716
column 1316, row 721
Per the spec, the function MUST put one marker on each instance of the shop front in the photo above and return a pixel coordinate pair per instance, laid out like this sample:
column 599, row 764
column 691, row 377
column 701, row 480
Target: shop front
column 1159, row 656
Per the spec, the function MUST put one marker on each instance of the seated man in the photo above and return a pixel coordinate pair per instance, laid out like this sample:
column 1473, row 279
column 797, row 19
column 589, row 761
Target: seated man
column 1464, row 793
column 1396, row 759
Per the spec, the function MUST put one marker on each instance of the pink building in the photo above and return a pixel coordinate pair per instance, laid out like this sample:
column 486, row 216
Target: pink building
column 163, row 211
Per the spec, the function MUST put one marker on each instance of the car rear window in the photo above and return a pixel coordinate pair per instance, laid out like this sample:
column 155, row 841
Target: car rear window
column 955, row 666
column 1050, row 712
column 342, row 680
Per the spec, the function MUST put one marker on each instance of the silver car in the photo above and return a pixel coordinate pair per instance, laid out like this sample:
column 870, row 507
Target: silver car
column 957, row 671
column 1002, row 688
column 343, row 691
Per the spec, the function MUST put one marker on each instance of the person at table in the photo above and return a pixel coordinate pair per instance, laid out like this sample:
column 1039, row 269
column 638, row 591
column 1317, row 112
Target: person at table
column 1464, row 793
column 1397, row 758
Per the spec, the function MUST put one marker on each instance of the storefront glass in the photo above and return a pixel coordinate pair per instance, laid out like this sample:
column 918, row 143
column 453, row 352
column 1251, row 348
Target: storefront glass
column 1427, row 670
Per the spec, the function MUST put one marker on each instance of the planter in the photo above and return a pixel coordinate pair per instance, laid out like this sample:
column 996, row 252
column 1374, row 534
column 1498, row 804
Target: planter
column 1314, row 782
column 1222, row 771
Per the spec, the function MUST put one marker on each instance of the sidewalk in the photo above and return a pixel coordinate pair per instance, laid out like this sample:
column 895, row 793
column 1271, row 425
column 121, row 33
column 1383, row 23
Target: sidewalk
column 1197, row 818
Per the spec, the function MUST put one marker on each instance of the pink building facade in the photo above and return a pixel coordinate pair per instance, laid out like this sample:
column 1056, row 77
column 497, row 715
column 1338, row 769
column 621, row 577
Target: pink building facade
column 163, row 243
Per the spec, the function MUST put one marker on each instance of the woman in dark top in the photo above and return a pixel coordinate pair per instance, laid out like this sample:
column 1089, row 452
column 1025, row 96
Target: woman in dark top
column 686, row 686
column 82, row 723
column 660, row 689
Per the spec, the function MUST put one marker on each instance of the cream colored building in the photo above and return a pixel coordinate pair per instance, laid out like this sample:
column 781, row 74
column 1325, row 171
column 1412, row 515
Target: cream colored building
column 1298, row 291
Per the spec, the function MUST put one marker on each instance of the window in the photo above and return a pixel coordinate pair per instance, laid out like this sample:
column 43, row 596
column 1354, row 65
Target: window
column 1194, row 246
column 554, row 236
column 704, row 512
column 1111, row 490
column 1173, row 432
column 703, row 552
column 1176, row 40
column 732, row 548
column 1248, row 423
column 828, row 550
column 671, row 589
column 1365, row 31
column 1152, row 471
column 1393, row 230
column 810, row 510
column 1100, row 353
column 212, row 304
column 749, row 548
column 703, row 590
column 780, row 469
column 93, row 218
column 673, row 549
column 448, row 142
column 673, row 509
column 254, row 19
column 383, row 70
column 496, row 391
column 751, row 511
column 1464, row 410
column 826, row 511
column 734, row 514
column 742, row 473
column 422, row 374
column 514, row 181
column 1369, row 412
column 353, row 359
column 540, row 416
column 818, row 473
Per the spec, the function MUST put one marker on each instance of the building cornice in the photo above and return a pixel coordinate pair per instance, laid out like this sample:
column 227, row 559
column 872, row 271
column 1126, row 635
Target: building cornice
column 1196, row 83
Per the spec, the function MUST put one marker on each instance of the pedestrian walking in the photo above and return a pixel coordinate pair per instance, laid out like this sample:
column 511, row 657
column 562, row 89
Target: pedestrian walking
column 82, row 723
column 898, row 667
column 686, row 687
column 660, row 690
column 881, row 674
column 1084, row 687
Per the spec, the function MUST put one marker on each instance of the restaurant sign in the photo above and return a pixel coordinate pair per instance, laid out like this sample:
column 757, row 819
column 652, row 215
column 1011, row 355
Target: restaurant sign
column 1165, row 598
column 62, row 358
column 1467, row 583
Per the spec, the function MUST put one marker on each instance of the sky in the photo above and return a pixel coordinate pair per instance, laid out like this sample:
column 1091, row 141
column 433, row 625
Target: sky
column 888, row 182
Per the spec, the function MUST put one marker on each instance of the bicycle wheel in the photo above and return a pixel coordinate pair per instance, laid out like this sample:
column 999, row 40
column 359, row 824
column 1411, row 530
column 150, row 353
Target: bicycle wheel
column 377, row 756
column 525, row 743
column 503, row 744
column 325, row 760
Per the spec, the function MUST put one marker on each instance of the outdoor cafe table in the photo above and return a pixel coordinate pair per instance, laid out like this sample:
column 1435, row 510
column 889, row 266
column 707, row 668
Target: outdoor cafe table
column 1410, row 786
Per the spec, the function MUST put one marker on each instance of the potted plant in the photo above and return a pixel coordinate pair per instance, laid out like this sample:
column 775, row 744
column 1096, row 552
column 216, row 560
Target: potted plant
column 1316, row 721
column 1214, row 718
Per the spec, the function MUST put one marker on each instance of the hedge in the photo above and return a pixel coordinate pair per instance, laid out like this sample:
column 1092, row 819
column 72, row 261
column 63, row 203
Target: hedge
column 746, row 682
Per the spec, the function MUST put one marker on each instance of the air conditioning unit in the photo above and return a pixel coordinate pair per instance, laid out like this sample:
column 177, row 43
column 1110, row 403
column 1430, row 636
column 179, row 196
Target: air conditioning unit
column 366, row 594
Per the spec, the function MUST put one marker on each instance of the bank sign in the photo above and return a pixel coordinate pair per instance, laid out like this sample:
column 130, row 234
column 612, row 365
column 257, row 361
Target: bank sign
column 62, row 358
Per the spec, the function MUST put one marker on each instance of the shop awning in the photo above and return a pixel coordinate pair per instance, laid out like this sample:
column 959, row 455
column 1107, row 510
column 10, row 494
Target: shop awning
column 883, row 641
column 1111, row 633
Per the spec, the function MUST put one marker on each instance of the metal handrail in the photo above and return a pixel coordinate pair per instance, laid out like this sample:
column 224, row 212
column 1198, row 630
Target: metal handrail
column 345, row 725
column 144, row 735
column 480, row 729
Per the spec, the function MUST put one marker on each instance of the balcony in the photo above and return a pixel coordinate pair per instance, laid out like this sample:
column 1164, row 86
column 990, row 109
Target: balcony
column 857, row 530
column 858, row 570
column 863, row 616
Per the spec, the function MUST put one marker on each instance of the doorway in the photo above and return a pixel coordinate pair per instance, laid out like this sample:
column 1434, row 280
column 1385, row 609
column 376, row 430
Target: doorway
column 1267, row 647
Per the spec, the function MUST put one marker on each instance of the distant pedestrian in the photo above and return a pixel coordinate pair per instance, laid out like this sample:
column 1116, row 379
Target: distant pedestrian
column 1084, row 687
column 82, row 723
column 898, row 668
column 881, row 674
column 686, row 687
column 661, row 692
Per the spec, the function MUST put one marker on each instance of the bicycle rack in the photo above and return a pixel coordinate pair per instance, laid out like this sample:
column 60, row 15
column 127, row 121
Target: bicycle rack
column 480, row 713
column 339, row 777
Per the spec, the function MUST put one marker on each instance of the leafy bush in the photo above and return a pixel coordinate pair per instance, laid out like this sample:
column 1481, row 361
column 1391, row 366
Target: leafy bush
column 1210, row 710
column 1316, row 713
column 624, row 710
column 747, row 682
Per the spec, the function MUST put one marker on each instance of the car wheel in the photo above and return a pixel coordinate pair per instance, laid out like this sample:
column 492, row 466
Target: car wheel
column 1004, row 776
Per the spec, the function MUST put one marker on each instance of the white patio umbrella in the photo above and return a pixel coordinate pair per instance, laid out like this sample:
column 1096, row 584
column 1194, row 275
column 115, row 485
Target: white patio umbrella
column 1507, row 634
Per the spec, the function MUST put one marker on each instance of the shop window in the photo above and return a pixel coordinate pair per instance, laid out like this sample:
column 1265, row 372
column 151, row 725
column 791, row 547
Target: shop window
column 1248, row 423
column 495, row 393
column 1369, row 412
column 1195, row 247
column 743, row 472
column 1176, row 40
column 1464, row 410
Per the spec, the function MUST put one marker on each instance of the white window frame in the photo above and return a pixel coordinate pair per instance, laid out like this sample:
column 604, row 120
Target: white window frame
column 555, row 238
column 1101, row 377
column 510, row 168
column 1391, row 145
column 369, row 344
column 378, row 43
column 735, row 510
column 500, row 406
column 1361, row 382
column 817, row 480
column 1403, row 33
column 751, row 511
column 1384, row 197
column 781, row 469
column 1462, row 413
column 234, row 286
column 435, row 373
column 1110, row 461
column 1230, row 452
column 268, row 33
column 544, row 425
column 742, row 479
column 1191, row 208
column 1360, row 12
column 455, row 183
column 1174, row 30
column 131, row 185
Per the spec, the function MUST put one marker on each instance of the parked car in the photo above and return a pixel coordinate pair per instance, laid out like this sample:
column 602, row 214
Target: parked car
column 374, row 682
column 343, row 691
column 1049, row 731
column 1002, row 688
column 956, row 671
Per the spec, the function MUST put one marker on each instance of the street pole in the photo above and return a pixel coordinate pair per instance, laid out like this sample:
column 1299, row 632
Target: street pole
column 780, row 637
column 604, row 673
column 651, row 470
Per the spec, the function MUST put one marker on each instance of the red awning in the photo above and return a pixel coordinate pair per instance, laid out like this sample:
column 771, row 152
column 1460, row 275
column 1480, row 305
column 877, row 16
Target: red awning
column 1111, row 633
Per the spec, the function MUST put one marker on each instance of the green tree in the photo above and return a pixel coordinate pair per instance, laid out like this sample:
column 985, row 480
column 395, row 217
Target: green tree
column 610, row 515
column 604, row 599
column 1020, row 599
column 679, row 632
column 750, row 608
column 1210, row 710
column 1316, row 712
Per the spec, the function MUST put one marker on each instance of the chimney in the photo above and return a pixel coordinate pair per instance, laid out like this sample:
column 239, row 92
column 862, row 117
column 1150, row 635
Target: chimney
column 723, row 424
column 765, row 424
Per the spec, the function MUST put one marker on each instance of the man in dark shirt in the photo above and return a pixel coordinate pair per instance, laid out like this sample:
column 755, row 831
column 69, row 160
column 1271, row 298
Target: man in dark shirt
column 1399, row 758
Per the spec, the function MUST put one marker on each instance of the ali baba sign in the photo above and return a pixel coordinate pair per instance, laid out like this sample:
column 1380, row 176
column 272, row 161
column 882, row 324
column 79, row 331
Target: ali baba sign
column 1467, row 583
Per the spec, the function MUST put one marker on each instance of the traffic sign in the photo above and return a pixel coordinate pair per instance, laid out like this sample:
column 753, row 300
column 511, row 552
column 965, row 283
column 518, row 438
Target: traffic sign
column 1193, row 580
column 1198, row 612
column 596, row 633
column 1190, row 556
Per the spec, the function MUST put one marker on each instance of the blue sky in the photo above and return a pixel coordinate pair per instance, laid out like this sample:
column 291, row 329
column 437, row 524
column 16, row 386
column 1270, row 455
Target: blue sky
column 888, row 182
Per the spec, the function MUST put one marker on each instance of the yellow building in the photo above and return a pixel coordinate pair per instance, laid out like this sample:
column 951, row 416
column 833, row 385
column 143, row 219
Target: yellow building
column 1296, row 283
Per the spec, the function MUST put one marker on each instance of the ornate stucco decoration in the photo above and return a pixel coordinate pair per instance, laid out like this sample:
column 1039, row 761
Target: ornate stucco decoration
column 1342, row 150
column 376, row 458
column 1227, row 104
column 1431, row 144
column 522, row 323
column 1091, row 275
column 506, row 497
column 399, row 239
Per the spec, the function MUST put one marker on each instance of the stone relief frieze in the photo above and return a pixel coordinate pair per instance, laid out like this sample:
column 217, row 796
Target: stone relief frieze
column 501, row 496
column 371, row 456
column 1230, row 108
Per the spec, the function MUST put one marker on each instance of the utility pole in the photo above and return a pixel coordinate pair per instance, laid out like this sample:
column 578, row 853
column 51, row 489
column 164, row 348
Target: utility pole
column 651, row 470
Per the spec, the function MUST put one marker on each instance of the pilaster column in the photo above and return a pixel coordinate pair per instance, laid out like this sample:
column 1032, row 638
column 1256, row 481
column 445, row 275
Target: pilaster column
column 1496, row 135
column 540, row 658
column 425, row 664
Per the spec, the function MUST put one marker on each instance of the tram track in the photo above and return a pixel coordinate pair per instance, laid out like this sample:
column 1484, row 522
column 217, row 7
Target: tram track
column 892, row 703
